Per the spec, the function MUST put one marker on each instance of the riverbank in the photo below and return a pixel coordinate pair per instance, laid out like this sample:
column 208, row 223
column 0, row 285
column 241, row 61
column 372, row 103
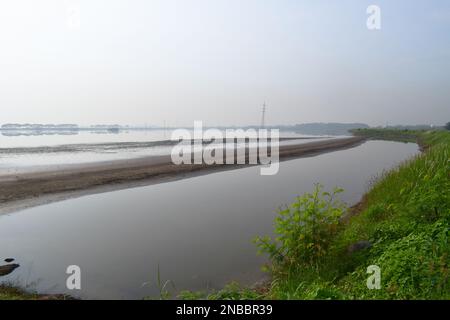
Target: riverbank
column 400, row 228
column 27, row 189
column 8, row 292
column 401, row 223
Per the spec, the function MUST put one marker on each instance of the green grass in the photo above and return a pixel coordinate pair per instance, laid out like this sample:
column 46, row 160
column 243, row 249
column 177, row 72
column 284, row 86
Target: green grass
column 388, row 134
column 10, row 292
column 406, row 218
column 232, row 291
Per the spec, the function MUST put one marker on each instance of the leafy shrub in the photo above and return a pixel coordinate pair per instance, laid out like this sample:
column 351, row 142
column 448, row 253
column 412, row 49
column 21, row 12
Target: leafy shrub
column 304, row 230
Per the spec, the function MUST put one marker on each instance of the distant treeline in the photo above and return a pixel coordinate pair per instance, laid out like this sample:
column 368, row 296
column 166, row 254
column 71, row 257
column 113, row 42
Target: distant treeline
column 328, row 128
column 309, row 128
column 332, row 128
column 413, row 127
column 49, row 127
column 32, row 126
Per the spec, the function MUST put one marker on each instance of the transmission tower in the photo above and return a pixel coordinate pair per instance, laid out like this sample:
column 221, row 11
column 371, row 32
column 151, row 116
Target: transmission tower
column 263, row 118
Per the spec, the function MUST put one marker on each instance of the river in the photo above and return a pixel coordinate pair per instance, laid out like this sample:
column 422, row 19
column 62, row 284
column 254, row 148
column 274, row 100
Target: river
column 197, row 232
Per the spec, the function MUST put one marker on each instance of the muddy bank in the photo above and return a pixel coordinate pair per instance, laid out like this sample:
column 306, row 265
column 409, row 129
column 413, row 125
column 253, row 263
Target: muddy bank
column 30, row 189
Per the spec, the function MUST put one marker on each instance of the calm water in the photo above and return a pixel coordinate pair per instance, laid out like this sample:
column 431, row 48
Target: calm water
column 13, row 139
column 198, row 231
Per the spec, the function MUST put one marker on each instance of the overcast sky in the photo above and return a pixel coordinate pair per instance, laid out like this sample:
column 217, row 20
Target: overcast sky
column 135, row 62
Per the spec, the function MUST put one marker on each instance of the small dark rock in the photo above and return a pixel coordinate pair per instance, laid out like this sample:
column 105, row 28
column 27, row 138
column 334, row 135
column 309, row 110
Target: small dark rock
column 9, row 260
column 7, row 269
column 358, row 246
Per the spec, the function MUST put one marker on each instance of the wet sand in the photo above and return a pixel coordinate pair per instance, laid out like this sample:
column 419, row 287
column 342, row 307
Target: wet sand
column 23, row 190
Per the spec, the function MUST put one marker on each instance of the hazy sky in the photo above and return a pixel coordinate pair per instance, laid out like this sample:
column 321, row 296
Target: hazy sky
column 136, row 62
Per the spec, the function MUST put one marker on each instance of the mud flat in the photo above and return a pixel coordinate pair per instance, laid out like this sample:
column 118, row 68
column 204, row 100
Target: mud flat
column 23, row 190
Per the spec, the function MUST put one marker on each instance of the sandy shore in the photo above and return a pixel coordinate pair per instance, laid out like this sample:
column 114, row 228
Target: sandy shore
column 24, row 190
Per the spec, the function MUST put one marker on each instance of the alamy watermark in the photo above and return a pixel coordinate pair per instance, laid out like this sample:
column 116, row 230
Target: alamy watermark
column 374, row 280
column 73, row 20
column 234, row 146
column 73, row 281
column 374, row 19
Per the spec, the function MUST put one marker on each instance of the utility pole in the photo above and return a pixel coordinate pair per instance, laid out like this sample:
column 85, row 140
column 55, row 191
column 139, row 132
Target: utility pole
column 263, row 118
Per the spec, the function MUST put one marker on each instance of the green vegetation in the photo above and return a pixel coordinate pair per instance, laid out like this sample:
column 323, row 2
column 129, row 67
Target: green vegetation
column 402, row 225
column 390, row 134
column 8, row 292
column 232, row 291
column 305, row 230
column 447, row 126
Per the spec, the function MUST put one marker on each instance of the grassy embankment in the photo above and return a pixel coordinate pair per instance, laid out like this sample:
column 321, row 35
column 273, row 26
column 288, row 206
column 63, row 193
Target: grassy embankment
column 401, row 226
column 15, row 293
column 9, row 291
